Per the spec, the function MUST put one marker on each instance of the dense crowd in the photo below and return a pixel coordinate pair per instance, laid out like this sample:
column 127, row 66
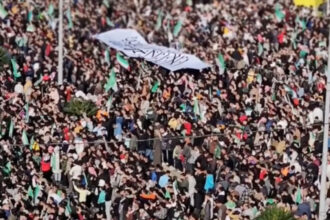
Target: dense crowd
column 222, row 143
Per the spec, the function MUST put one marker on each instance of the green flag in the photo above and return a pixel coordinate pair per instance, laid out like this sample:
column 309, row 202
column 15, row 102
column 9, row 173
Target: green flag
column 293, row 39
column 15, row 70
column 210, row 93
column 298, row 198
column 36, row 192
column 112, row 82
column 101, row 198
column 68, row 16
column 3, row 12
column 260, row 49
column 40, row 15
column 1, row 133
column 11, row 128
column 25, row 139
column 322, row 44
column 217, row 152
column 30, row 16
column 109, row 104
column 68, row 209
column 221, row 63
column 107, row 56
column 53, row 161
column 196, row 107
column 121, row 60
column 177, row 28
column 26, row 107
column 30, row 192
column 52, row 130
column 38, row 82
column 273, row 97
column 159, row 20
column 183, row 107
column 85, row 179
column 302, row 23
column 279, row 13
column 109, row 22
column 31, row 142
column 259, row 78
column 50, row 10
column 290, row 91
column 303, row 54
column 7, row 168
column 19, row 41
column 270, row 201
column 30, row 28
column 155, row 87
column 106, row 3
column 167, row 195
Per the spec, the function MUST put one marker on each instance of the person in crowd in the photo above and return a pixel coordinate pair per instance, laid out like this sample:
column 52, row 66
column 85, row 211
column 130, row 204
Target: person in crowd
column 221, row 143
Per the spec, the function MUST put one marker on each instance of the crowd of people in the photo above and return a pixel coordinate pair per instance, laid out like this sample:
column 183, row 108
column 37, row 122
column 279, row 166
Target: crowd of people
column 223, row 143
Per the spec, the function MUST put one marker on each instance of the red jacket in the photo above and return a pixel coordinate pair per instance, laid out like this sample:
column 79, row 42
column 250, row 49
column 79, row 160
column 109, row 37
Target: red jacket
column 45, row 166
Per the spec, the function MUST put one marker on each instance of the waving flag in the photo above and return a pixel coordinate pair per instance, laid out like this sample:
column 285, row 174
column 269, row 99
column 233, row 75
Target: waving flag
column 38, row 81
column 85, row 179
column 30, row 16
column 11, row 128
column 106, row 3
column 7, row 168
column 3, row 12
column 30, row 28
column 183, row 107
column 109, row 104
column 189, row 2
column 155, row 87
column 177, row 28
column 121, row 60
column 15, row 70
column 302, row 23
column 293, row 40
column 107, row 56
column 260, row 49
column 68, row 209
column 26, row 107
column 36, row 192
column 279, row 13
column 1, row 131
column 298, row 198
column 112, row 82
column 159, row 20
column 32, row 143
column 30, row 192
column 221, row 63
column 109, row 22
column 68, row 16
column 25, row 139
column 50, row 10
column 196, row 107
column 290, row 91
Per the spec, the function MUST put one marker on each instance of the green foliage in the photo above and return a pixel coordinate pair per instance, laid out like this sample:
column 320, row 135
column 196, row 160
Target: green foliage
column 4, row 57
column 275, row 213
column 78, row 107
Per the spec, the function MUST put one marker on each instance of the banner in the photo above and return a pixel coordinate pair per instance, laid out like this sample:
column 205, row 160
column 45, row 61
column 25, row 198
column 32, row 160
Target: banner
column 308, row 3
column 132, row 44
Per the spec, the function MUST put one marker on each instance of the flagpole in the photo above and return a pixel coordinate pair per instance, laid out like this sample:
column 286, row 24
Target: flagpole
column 60, row 45
column 323, row 193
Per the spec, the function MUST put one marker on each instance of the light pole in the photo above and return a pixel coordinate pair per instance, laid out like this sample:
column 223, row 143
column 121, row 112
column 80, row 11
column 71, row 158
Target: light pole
column 324, row 189
column 60, row 44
